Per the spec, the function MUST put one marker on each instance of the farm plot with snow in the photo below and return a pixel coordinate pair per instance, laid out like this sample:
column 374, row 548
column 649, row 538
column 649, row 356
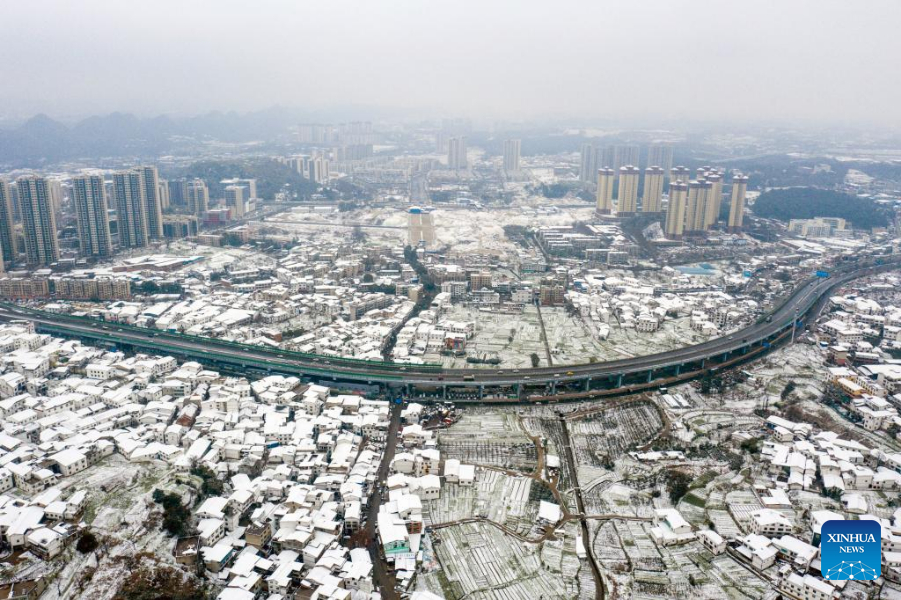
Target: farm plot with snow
column 481, row 562
column 489, row 438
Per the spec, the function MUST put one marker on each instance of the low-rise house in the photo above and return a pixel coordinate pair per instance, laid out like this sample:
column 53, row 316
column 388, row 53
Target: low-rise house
column 769, row 523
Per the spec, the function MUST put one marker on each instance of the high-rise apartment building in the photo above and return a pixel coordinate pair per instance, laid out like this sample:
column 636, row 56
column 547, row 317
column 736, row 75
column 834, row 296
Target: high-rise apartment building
column 651, row 197
column 315, row 168
column 588, row 165
column 38, row 221
column 442, row 139
column 661, row 155
column 352, row 152
column 627, row 197
column 680, row 173
column 606, row 178
column 625, row 155
column 696, row 207
column 89, row 198
column 139, row 210
column 7, row 228
column 197, row 197
column 250, row 185
column 511, row 156
column 456, row 153
column 714, row 199
column 675, row 210
column 178, row 192
column 131, row 208
column 153, row 207
column 315, row 133
column 606, row 157
column 701, row 173
column 234, row 200
column 737, row 206
column 164, row 194
column 55, row 186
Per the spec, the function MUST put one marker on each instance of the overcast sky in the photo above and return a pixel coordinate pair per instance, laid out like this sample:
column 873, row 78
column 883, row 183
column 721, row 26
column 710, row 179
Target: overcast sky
column 822, row 60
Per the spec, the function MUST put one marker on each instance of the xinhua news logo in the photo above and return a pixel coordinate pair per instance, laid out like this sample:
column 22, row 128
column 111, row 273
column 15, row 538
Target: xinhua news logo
column 851, row 550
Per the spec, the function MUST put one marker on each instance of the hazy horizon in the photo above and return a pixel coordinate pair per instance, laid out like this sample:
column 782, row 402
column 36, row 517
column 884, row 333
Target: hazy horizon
column 810, row 62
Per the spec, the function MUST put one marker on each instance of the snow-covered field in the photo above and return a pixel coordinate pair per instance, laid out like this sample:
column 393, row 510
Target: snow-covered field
column 569, row 339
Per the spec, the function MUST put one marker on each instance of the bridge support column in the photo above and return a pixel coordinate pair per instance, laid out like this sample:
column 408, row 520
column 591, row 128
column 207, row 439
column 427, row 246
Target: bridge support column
column 587, row 384
column 725, row 357
column 553, row 387
column 744, row 349
column 519, row 389
column 619, row 381
column 678, row 369
column 650, row 375
column 481, row 391
column 703, row 362
column 407, row 389
column 444, row 392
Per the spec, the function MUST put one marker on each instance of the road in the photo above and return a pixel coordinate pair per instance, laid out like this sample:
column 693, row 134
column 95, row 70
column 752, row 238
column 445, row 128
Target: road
column 805, row 296
column 547, row 345
column 382, row 574
column 600, row 592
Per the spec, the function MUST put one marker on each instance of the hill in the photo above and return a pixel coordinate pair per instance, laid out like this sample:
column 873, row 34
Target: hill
column 41, row 140
column 271, row 176
column 808, row 202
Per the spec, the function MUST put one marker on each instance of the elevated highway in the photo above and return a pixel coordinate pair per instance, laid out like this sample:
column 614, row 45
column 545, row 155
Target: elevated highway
column 468, row 384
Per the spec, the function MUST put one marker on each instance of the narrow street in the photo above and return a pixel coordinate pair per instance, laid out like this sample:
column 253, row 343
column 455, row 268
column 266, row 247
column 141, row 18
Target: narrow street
column 547, row 346
column 382, row 574
column 586, row 538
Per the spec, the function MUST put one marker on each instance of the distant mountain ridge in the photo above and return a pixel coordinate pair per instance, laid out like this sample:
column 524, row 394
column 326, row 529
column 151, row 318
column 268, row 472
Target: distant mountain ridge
column 42, row 140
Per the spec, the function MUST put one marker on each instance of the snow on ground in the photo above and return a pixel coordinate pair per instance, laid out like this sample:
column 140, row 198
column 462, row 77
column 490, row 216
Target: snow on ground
column 489, row 437
column 118, row 508
column 570, row 341
column 478, row 561
column 466, row 230
column 635, row 564
column 510, row 501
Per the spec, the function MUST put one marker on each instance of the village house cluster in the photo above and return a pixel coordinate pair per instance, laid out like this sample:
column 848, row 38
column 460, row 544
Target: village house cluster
column 298, row 462
column 861, row 335
column 634, row 304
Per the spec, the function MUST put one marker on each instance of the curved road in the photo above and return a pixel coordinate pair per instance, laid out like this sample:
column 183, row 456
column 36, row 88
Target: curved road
column 805, row 296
